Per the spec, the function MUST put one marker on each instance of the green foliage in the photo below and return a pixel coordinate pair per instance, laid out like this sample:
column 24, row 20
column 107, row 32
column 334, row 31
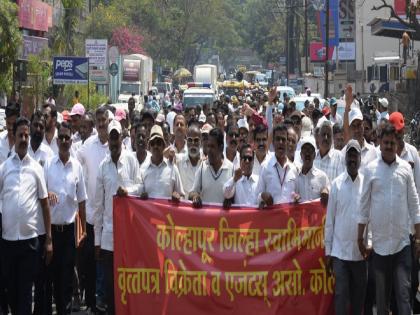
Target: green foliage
column 39, row 76
column 92, row 102
column 10, row 41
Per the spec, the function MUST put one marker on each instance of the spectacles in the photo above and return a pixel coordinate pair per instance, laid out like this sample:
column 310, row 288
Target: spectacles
column 248, row 158
column 193, row 140
column 64, row 137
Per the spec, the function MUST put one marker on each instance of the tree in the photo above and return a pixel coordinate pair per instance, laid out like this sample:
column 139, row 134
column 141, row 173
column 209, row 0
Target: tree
column 11, row 40
column 39, row 74
column 128, row 40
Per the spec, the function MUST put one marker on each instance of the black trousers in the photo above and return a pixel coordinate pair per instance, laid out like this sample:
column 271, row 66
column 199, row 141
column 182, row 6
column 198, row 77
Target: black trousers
column 393, row 271
column 62, row 267
column 87, row 267
column 43, row 289
column 108, row 263
column 350, row 286
column 19, row 267
column 4, row 308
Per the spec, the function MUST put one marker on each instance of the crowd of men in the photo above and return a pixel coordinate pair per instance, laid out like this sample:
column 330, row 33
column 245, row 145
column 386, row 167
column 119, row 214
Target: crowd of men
column 60, row 171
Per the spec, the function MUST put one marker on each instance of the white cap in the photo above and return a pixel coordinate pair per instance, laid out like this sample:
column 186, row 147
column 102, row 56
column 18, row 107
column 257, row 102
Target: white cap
column 322, row 120
column 383, row 102
column 114, row 125
column 306, row 126
column 355, row 114
column 202, row 118
column 160, row 118
column 59, row 118
column 310, row 140
column 242, row 123
column 110, row 115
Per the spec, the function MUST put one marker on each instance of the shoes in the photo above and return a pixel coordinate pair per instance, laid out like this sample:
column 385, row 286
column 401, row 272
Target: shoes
column 101, row 306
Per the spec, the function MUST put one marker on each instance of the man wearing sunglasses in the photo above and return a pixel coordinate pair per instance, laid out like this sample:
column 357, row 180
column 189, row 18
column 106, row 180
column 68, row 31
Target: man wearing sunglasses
column 189, row 163
column 243, row 185
column 67, row 196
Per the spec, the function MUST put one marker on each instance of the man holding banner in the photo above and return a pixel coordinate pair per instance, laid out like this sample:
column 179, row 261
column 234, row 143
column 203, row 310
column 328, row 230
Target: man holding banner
column 118, row 174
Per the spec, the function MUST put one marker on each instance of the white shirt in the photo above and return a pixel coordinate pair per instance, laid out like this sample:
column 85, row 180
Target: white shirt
column 108, row 180
column 309, row 186
column 389, row 200
column 410, row 155
column 337, row 119
column 187, row 172
column 22, row 185
column 90, row 155
column 67, row 182
column 5, row 149
column 331, row 163
column 184, row 149
column 380, row 116
column 146, row 161
column 170, row 120
column 236, row 160
column 244, row 190
column 256, row 169
column 42, row 154
column 210, row 184
column 342, row 218
column 160, row 181
column 279, row 181
column 53, row 145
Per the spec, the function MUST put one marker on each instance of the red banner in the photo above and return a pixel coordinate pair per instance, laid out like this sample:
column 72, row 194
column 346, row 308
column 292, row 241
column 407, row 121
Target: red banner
column 35, row 15
column 318, row 51
column 173, row 259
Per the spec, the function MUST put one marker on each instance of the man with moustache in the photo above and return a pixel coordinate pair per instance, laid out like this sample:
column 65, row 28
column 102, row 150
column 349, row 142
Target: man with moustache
column 76, row 114
column 90, row 155
column 26, row 216
column 390, row 204
column 242, row 186
column 118, row 174
column 312, row 183
column 232, row 144
column 86, row 127
column 161, row 178
column 7, row 140
column 328, row 159
column 341, row 249
column 213, row 173
column 278, row 177
column 189, row 163
column 292, row 142
column 67, row 196
column 205, row 131
column 141, row 141
column 39, row 151
column 261, row 148
column 50, row 139
column 180, row 131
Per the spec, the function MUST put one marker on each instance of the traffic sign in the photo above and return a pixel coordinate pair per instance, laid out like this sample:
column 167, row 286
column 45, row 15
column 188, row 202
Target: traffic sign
column 113, row 69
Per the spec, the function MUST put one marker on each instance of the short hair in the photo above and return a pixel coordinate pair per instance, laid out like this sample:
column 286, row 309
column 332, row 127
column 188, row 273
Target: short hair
column 279, row 128
column 180, row 115
column 21, row 121
column 38, row 115
column 387, row 129
column 102, row 111
column 193, row 122
column 89, row 117
column 259, row 129
column 64, row 124
column 368, row 119
column 230, row 126
column 131, row 99
column 337, row 128
column 243, row 148
column 218, row 135
column 12, row 109
column 326, row 124
column 53, row 109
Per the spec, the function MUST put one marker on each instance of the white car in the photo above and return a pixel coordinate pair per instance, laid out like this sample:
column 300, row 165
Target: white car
column 285, row 89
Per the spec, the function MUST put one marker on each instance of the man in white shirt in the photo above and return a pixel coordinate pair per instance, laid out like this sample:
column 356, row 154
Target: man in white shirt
column 118, row 174
column 7, row 140
column 189, row 163
column 277, row 182
column 141, row 141
column 50, row 139
column 180, row 131
column 390, row 205
column 213, row 173
column 160, row 179
column 292, row 141
column 382, row 110
column 341, row 249
column 90, row 155
column 232, row 144
column 261, row 150
column 39, row 151
column 76, row 114
column 335, row 117
column 327, row 158
column 242, row 186
column 312, row 183
column 26, row 216
column 67, row 196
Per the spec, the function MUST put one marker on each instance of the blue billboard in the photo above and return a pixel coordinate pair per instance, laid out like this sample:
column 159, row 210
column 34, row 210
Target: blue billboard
column 71, row 70
column 334, row 33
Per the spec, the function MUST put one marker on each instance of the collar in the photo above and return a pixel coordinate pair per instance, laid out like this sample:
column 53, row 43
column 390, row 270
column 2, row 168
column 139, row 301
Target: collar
column 329, row 153
column 273, row 161
column 312, row 171
column 348, row 178
column 57, row 160
column 225, row 164
column 164, row 162
column 253, row 178
column 396, row 162
column 15, row 156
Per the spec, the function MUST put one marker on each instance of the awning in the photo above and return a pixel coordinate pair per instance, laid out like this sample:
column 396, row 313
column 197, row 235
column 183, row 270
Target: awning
column 391, row 28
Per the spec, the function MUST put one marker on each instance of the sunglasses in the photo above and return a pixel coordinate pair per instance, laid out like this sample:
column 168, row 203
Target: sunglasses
column 64, row 137
column 248, row 158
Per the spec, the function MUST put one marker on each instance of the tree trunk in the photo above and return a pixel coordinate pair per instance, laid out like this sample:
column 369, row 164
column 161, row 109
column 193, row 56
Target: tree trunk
column 417, row 104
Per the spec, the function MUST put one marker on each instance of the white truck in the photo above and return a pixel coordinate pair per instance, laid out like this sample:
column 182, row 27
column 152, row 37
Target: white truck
column 136, row 77
column 206, row 74
column 198, row 94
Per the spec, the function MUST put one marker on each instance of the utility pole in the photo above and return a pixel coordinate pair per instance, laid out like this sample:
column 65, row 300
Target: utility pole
column 327, row 44
column 306, row 37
